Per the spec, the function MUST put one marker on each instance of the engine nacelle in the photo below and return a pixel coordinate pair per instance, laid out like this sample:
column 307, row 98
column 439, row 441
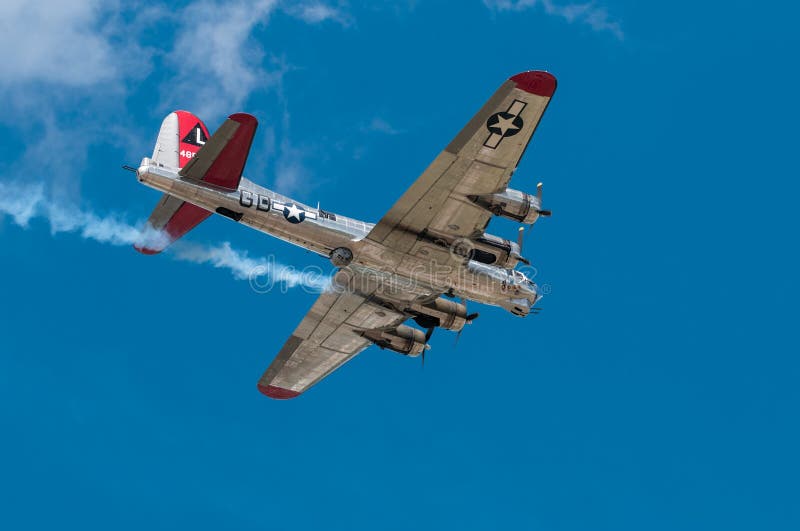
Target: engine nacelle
column 442, row 312
column 403, row 339
column 511, row 204
column 489, row 249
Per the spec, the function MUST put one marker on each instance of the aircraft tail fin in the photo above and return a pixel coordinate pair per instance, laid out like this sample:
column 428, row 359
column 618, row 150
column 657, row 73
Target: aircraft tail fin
column 181, row 136
column 220, row 163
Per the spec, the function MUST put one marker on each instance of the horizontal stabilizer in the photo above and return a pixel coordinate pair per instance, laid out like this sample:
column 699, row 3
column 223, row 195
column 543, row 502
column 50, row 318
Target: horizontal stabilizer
column 171, row 219
column 221, row 161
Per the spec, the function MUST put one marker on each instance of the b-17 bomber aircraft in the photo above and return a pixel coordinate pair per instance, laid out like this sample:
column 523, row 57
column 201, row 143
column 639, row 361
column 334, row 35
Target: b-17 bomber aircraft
column 429, row 250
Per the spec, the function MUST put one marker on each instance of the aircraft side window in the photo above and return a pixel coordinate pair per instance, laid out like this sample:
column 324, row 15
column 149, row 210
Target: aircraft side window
column 327, row 215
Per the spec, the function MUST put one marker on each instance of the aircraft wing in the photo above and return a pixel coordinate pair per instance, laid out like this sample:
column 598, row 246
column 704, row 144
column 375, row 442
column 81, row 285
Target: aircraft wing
column 480, row 160
column 329, row 335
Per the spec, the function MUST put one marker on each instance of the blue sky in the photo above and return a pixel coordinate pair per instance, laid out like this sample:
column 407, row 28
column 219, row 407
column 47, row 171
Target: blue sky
column 656, row 390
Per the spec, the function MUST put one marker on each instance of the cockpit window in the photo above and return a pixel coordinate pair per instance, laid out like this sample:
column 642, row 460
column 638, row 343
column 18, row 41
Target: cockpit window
column 520, row 278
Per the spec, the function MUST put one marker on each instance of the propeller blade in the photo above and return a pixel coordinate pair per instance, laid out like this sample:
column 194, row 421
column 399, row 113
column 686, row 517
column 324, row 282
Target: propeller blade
column 544, row 213
column 521, row 242
column 429, row 333
column 471, row 317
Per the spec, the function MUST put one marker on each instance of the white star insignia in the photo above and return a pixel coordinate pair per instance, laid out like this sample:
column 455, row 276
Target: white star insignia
column 504, row 124
column 293, row 212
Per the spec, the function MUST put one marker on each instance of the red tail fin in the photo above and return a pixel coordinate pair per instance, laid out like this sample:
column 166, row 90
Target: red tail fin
column 181, row 136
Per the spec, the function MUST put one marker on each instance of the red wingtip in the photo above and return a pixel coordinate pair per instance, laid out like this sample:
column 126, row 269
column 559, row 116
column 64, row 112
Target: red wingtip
column 536, row 82
column 279, row 393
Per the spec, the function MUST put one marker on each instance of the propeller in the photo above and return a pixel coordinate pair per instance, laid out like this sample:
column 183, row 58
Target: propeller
column 428, row 335
column 429, row 332
column 545, row 213
column 520, row 241
column 469, row 318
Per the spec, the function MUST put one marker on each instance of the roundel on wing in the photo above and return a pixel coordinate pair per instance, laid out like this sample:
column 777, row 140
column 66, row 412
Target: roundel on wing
column 504, row 124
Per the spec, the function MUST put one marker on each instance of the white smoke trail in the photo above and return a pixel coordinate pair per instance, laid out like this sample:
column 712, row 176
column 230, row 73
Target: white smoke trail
column 264, row 274
column 26, row 202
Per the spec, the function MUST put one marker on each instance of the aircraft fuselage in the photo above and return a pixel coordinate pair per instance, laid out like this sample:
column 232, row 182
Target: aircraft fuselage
column 344, row 240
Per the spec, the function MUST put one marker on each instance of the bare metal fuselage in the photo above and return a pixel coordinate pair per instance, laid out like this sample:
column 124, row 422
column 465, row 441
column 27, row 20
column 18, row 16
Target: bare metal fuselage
column 323, row 232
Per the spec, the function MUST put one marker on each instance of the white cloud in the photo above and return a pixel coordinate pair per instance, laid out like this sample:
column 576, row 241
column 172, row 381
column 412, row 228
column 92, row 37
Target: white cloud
column 217, row 63
column 72, row 43
column 317, row 12
column 217, row 60
column 379, row 125
column 588, row 13
column 73, row 61
column 54, row 42
column 66, row 63
column 90, row 43
column 21, row 203
column 291, row 173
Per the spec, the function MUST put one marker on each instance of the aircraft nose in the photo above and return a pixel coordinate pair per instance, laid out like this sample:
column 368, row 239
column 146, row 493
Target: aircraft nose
column 531, row 292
